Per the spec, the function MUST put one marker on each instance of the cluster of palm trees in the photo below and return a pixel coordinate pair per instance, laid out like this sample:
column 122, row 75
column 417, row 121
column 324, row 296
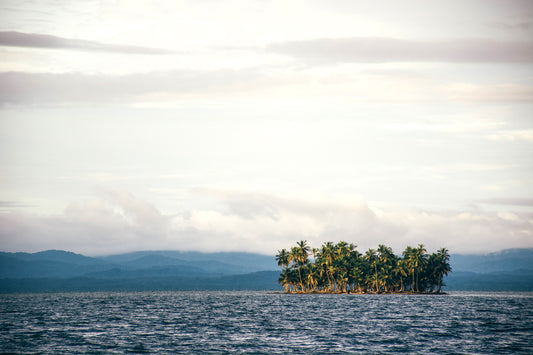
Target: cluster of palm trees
column 340, row 268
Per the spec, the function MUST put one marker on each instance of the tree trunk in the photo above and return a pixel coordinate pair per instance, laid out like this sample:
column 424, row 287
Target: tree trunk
column 439, row 285
column 301, row 282
column 376, row 281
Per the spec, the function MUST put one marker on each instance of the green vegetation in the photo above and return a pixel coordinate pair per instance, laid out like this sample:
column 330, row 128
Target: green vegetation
column 340, row 268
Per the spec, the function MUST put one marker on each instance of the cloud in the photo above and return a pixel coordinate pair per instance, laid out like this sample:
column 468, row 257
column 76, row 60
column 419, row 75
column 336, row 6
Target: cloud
column 466, row 92
column 522, row 25
column 516, row 135
column 383, row 50
column 38, row 88
column 13, row 204
column 508, row 201
column 34, row 40
column 168, row 86
column 255, row 222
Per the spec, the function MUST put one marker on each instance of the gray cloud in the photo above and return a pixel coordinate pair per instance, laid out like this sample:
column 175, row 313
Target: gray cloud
column 509, row 201
column 20, row 87
column 58, row 88
column 14, row 204
column 380, row 50
column 34, row 40
column 523, row 25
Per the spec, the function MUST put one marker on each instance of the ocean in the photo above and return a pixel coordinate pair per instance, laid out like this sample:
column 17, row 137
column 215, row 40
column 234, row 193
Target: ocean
column 269, row 323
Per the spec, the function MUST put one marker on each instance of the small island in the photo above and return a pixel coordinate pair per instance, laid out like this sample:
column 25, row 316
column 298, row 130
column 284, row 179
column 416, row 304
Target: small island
column 340, row 268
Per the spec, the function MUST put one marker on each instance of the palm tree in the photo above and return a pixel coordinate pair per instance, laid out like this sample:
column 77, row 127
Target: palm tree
column 373, row 262
column 442, row 267
column 417, row 262
column 314, row 251
column 408, row 257
column 287, row 279
column 387, row 263
column 303, row 251
column 341, row 249
column 341, row 264
column 326, row 256
column 342, row 280
column 300, row 256
column 312, row 277
column 358, row 274
column 283, row 258
column 293, row 259
column 400, row 271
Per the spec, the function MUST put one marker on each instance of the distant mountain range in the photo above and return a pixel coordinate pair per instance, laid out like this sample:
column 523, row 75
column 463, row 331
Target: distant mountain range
column 505, row 260
column 506, row 270
column 57, row 270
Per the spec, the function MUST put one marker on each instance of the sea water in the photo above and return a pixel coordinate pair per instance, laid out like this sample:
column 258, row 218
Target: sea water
column 261, row 322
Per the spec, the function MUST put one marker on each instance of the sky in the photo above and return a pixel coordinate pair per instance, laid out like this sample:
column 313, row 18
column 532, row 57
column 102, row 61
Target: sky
column 220, row 125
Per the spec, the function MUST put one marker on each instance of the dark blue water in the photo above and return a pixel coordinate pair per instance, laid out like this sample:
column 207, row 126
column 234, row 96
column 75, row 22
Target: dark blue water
column 258, row 322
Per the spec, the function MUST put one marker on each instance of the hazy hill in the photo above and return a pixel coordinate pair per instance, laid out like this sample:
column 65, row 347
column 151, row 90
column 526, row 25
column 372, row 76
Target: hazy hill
column 506, row 270
column 63, row 264
column 45, row 264
column 160, row 260
column 518, row 280
column 61, row 256
column 505, row 260
column 155, row 271
column 222, row 262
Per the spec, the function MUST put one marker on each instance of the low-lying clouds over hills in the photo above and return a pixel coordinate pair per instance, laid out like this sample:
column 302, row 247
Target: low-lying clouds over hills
column 260, row 223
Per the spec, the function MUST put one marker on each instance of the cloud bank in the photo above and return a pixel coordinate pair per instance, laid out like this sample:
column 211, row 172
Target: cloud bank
column 244, row 221
column 34, row 40
column 386, row 50
column 19, row 88
column 511, row 201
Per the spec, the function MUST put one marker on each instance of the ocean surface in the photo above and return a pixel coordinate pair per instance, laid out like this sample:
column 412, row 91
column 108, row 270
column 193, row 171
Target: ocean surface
column 260, row 322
